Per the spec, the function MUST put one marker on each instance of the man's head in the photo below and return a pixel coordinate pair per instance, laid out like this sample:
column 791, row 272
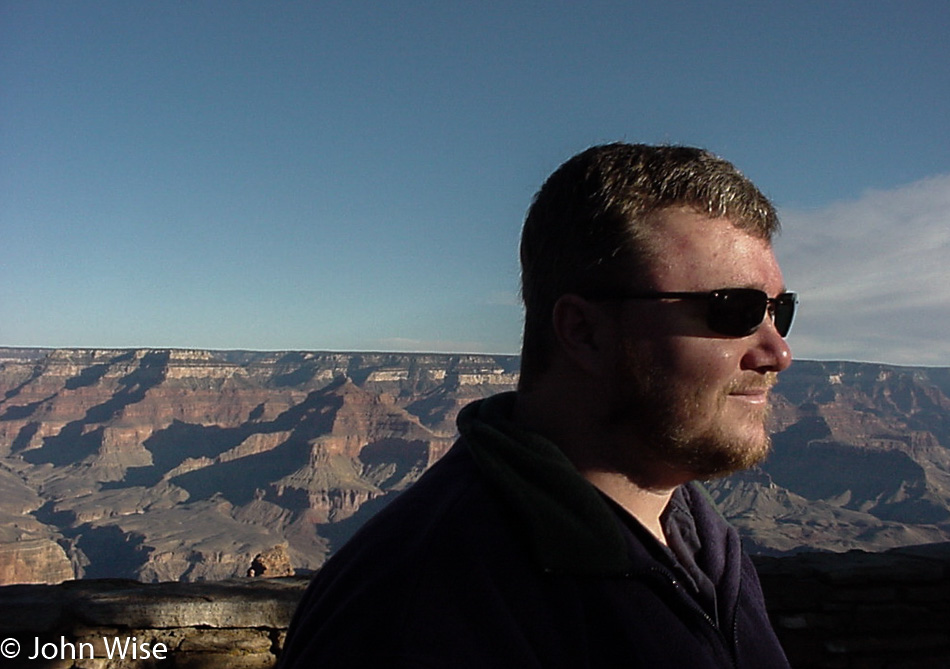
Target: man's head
column 627, row 220
column 589, row 222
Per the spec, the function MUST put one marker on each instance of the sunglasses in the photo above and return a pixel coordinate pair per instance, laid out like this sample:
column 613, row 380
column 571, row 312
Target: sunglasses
column 734, row 312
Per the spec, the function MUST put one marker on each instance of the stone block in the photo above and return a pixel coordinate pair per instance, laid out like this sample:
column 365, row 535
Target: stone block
column 38, row 608
column 223, row 661
column 268, row 603
column 226, row 640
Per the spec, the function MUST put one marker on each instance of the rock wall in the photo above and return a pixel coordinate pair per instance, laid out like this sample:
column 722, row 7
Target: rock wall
column 861, row 610
column 159, row 465
column 236, row 624
column 852, row 610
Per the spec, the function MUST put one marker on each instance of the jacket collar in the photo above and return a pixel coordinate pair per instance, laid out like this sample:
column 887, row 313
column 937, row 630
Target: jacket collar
column 569, row 526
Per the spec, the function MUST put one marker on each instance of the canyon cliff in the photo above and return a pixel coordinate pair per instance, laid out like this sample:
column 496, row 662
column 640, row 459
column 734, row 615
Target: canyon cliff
column 165, row 465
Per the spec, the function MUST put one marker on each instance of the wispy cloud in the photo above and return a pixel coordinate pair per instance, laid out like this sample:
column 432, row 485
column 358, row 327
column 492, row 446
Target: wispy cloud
column 873, row 274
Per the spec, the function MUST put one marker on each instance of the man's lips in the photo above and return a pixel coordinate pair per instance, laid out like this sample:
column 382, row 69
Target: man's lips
column 756, row 392
column 751, row 395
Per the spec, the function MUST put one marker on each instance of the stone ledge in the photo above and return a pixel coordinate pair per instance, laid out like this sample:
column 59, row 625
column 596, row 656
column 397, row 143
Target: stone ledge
column 910, row 564
column 861, row 610
column 831, row 610
column 233, row 624
column 234, row 603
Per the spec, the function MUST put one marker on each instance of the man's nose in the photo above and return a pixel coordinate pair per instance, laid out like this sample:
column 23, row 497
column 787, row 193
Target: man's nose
column 768, row 350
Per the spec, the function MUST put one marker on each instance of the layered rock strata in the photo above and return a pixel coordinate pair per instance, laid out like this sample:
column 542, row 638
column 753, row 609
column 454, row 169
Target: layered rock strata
column 163, row 465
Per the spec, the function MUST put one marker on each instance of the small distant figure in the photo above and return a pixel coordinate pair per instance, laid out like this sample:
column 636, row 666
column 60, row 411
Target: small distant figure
column 271, row 563
column 565, row 528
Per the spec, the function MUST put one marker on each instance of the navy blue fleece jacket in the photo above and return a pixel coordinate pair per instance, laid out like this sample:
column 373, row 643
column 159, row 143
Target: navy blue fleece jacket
column 501, row 555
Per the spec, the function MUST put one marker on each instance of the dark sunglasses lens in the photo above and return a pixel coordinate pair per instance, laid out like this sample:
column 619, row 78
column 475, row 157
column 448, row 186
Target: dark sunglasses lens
column 785, row 312
column 737, row 312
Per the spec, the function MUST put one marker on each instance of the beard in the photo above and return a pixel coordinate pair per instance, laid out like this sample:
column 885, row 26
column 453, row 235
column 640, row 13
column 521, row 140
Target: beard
column 686, row 427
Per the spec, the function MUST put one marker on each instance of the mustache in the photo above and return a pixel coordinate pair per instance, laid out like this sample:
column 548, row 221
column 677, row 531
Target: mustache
column 763, row 383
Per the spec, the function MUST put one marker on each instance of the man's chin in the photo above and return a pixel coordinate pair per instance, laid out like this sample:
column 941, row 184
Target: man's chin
column 718, row 458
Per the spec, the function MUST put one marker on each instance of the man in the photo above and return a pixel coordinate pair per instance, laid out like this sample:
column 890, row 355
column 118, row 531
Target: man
column 563, row 528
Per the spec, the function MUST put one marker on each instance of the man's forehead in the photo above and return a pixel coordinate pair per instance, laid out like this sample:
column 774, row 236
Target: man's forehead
column 684, row 228
column 691, row 246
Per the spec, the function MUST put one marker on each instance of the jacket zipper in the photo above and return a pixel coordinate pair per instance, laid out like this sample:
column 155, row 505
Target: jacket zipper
column 665, row 576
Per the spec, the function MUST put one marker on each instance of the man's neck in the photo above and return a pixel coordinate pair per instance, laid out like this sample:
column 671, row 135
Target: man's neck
column 644, row 496
column 646, row 505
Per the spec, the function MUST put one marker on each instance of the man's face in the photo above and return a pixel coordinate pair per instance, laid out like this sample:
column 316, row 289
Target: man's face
column 695, row 400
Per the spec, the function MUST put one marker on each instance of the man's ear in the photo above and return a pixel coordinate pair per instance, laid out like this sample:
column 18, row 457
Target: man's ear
column 582, row 329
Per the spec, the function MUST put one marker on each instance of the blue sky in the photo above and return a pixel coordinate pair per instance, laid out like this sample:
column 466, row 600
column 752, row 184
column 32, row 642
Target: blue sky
column 354, row 175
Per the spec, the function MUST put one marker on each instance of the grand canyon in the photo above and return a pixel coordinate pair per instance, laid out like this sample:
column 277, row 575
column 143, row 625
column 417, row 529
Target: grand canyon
column 175, row 465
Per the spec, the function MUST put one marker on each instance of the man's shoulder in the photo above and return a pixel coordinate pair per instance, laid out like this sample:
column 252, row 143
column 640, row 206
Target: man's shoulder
column 443, row 497
column 422, row 563
column 428, row 533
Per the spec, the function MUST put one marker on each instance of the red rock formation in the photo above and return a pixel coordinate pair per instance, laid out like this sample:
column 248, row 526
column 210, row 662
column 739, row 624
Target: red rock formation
column 187, row 464
column 34, row 561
